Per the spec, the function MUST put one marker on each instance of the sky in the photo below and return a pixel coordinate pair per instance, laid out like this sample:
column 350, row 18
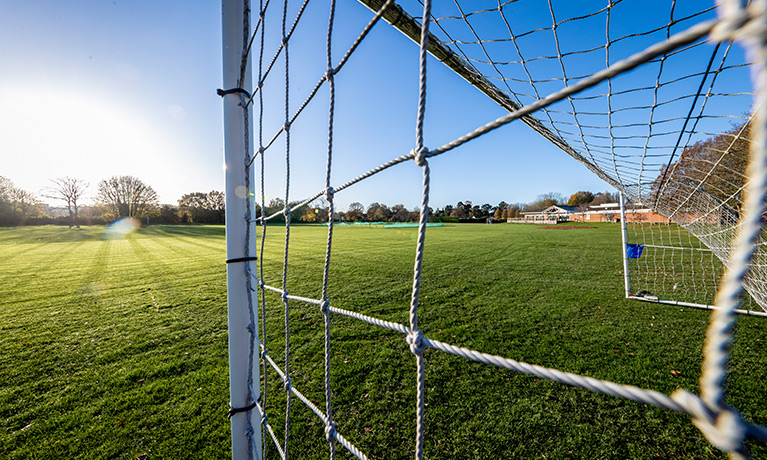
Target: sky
column 94, row 89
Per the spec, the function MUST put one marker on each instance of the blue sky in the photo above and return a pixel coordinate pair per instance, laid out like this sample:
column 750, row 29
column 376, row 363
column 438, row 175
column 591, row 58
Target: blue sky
column 93, row 89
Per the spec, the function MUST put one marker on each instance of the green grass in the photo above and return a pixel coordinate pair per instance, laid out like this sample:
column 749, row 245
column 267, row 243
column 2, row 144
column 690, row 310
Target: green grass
column 115, row 348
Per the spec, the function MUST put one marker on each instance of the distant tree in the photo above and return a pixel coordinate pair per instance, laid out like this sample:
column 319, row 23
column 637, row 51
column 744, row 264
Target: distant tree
column 193, row 208
column 309, row 215
column 356, row 212
column 378, row 212
column 459, row 211
column 16, row 204
column 400, row 213
column 198, row 207
column 544, row 201
column 714, row 167
column 6, row 209
column 499, row 214
column 276, row 208
column 580, row 197
column 414, row 215
column 217, row 204
column 126, row 196
column 604, row 197
column 468, row 208
column 168, row 214
column 316, row 211
column 70, row 190
column 275, row 205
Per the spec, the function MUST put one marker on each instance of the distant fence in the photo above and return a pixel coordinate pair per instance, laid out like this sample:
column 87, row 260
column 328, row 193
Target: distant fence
column 519, row 220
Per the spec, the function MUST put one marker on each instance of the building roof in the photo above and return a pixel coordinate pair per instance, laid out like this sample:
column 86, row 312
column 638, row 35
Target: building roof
column 554, row 209
column 559, row 208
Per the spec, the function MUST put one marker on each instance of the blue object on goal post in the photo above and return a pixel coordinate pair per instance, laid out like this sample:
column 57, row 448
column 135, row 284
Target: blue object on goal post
column 634, row 251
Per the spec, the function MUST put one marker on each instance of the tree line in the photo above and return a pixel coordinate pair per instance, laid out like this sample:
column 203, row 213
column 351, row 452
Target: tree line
column 116, row 198
column 127, row 196
column 463, row 211
column 712, row 169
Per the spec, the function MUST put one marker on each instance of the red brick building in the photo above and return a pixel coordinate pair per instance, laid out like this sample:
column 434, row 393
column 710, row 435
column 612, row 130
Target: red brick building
column 607, row 212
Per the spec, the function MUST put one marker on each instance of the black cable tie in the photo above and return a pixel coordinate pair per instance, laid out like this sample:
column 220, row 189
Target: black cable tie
column 224, row 92
column 241, row 259
column 236, row 410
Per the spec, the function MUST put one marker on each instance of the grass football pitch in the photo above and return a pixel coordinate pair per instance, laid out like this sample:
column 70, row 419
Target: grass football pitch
column 113, row 348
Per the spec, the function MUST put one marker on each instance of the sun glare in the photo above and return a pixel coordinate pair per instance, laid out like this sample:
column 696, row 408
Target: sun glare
column 122, row 228
column 46, row 134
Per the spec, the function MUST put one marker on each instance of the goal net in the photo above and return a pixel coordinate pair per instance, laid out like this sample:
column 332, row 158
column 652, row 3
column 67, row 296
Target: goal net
column 663, row 103
column 667, row 264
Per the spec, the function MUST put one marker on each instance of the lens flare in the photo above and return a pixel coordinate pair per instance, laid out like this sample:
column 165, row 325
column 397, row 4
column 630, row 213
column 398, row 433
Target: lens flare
column 122, row 227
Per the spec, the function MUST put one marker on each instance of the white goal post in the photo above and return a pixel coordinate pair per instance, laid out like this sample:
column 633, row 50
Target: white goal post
column 665, row 109
column 244, row 367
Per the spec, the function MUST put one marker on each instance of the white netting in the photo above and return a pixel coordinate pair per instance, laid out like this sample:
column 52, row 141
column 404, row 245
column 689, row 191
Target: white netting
column 672, row 134
column 677, row 134
column 668, row 264
column 672, row 264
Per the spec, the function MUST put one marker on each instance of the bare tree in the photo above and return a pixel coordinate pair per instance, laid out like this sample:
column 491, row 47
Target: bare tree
column 217, row 201
column 69, row 190
column 356, row 212
column 127, row 196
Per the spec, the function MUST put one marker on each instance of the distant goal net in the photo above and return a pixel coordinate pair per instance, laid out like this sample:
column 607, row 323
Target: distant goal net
column 667, row 264
column 663, row 102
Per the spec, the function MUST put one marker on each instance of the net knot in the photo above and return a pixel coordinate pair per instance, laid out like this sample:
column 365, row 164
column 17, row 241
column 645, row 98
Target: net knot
column 724, row 429
column 285, row 296
column 415, row 340
column 261, row 284
column 420, row 156
column 249, row 432
column 286, row 126
column 263, row 420
column 286, row 211
column 329, row 192
column 263, row 353
column 330, row 431
column 325, row 306
column 250, row 327
column 286, row 384
column 330, row 74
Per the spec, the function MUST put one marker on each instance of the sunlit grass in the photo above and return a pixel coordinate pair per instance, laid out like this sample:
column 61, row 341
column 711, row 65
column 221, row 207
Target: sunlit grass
column 117, row 347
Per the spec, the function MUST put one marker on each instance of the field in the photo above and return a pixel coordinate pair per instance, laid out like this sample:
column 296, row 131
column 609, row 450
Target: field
column 113, row 348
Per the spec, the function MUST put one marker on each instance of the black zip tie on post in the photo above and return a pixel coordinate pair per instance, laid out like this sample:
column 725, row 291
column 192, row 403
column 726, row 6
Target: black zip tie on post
column 241, row 259
column 237, row 410
column 224, row 92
